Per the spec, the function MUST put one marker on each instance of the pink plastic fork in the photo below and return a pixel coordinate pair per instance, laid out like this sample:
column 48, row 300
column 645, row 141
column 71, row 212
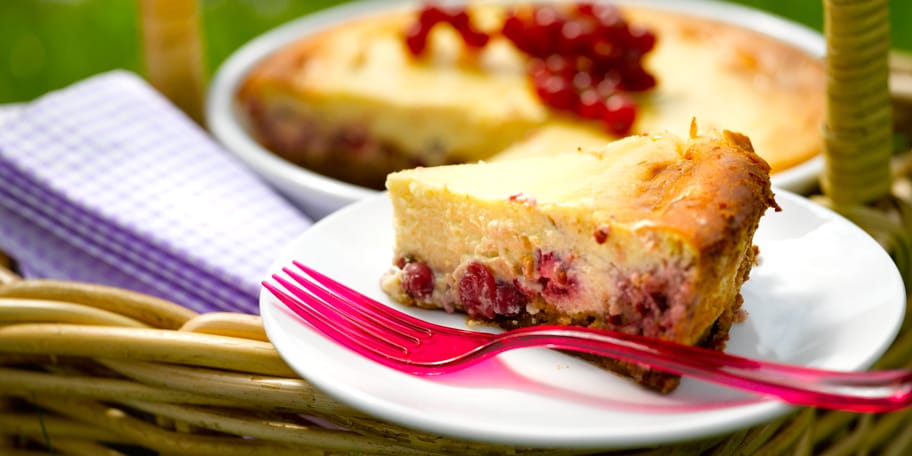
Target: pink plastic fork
column 411, row 345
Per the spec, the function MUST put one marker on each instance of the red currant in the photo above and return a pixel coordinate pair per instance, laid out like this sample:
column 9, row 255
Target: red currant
column 418, row 279
column 591, row 105
column 582, row 59
column 557, row 92
column 431, row 15
column 477, row 290
column 508, row 300
column 416, row 38
column 620, row 113
column 416, row 34
column 641, row 39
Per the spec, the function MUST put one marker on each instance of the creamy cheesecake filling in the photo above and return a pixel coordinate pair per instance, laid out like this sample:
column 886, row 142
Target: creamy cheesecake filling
column 647, row 301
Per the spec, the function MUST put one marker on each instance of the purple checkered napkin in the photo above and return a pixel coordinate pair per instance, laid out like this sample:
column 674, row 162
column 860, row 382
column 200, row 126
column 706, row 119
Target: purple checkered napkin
column 49, row 256
column 107, row 182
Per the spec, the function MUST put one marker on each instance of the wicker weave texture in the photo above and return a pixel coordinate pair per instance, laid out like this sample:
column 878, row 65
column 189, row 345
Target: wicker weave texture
column 86, row 368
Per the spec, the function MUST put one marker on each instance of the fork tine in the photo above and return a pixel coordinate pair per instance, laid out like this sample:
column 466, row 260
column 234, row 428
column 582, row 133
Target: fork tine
column 322, row 322
column 326, row 318
column 401, row 320
column 365, row 317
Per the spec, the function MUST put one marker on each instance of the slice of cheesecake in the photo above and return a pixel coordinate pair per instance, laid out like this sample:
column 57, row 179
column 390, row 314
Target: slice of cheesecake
column 352, row 102
column 648, row 235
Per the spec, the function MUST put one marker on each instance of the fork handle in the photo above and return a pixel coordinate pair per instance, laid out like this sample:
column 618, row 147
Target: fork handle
column 869, row 392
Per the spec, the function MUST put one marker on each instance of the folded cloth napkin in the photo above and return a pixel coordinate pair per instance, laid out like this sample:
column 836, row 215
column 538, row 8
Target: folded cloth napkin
column 107, row 182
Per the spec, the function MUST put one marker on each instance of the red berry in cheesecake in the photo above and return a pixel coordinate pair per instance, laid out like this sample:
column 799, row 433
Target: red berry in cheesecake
column 417, row 279
column 508, row 300
column 477, row 290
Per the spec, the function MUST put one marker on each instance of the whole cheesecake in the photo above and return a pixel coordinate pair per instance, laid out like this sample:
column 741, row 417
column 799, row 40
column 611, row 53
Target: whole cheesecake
column 354, row 101
column 649, row 235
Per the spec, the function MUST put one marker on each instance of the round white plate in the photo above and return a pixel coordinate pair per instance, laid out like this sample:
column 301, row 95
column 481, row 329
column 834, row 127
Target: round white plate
column 824, row 294
column 319, row 195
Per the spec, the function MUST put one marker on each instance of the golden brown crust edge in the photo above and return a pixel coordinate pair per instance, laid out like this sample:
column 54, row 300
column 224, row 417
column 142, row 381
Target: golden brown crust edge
column 282, row 68
column 731, row 182
column 779, row 70
column 718, row 174
column 725, row 177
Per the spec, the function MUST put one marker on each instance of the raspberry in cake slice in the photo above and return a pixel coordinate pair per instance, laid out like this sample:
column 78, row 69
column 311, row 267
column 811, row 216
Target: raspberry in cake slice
column 649, row 235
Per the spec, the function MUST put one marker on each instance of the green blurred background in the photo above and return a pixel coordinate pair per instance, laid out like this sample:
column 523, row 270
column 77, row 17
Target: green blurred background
column 47, row 44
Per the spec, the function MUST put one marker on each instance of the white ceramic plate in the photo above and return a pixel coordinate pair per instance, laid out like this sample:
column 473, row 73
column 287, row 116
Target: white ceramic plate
column 319, row 195
column 824, row 294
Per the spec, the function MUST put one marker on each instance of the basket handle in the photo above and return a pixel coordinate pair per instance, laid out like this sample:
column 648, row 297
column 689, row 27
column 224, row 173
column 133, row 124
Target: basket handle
column 858, row 135
column 172, row 51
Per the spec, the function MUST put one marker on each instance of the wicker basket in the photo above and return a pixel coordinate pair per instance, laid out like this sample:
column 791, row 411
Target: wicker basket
column 87, row 369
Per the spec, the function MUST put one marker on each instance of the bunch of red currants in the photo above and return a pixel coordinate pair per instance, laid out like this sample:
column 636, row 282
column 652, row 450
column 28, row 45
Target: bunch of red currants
column 585, row 59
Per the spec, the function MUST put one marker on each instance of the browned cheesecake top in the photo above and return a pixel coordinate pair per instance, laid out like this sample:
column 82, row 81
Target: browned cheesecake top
column 709, row 192
column 702, row 187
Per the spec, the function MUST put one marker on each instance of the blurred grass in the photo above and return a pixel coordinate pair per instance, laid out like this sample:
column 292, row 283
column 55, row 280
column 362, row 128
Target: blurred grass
column 48, row 44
